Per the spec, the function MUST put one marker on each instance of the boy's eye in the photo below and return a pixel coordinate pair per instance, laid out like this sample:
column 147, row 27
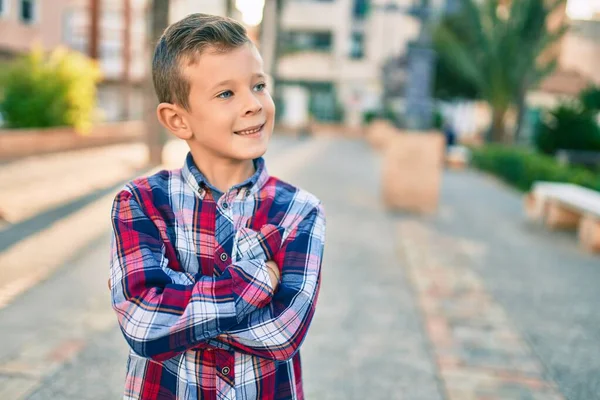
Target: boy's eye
column 260, row 87
column 226, row 94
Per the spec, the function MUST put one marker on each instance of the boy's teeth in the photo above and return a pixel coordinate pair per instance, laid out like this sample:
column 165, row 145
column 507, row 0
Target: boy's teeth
column 248, row 132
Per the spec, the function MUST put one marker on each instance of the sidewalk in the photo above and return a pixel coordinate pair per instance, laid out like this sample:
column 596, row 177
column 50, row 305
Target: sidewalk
column 473, row 303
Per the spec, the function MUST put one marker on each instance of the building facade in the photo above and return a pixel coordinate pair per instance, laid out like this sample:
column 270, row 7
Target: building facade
column 333, row 52
column 27, row 22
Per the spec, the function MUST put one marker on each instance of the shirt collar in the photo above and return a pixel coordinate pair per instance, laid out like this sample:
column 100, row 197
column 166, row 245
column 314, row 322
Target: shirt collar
column 199, row 183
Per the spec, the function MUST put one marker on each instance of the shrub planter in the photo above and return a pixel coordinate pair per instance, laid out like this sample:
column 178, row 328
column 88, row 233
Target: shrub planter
column 16, row 143
column 412, row 171
column 379, row 132
column 335, row 129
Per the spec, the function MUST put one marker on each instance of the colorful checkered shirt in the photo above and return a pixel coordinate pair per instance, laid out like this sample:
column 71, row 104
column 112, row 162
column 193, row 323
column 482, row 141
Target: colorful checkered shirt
column 191, row 290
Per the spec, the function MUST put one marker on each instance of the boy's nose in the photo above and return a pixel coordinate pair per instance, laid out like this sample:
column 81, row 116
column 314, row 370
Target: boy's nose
column 253, row 106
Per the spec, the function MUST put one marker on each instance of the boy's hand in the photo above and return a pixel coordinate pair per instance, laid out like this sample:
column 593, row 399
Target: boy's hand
column 274, row 273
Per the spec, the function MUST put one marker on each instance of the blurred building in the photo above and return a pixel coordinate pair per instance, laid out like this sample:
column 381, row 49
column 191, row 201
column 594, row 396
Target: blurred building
column 580, row 50
column 115, row 32
column 578, row 56
column 332, row 55
column 24, row 22
column 121, row 32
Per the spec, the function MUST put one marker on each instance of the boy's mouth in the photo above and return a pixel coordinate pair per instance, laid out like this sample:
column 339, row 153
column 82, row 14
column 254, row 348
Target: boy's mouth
column 251, row 131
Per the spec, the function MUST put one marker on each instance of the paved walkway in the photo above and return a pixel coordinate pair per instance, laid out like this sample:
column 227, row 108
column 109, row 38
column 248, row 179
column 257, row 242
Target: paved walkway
column 546, row 287
column 473, row 303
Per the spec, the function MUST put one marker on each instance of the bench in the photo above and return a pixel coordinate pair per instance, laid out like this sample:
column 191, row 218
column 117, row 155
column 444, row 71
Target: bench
column 566, row 206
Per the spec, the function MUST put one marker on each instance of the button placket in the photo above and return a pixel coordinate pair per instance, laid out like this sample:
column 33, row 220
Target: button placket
column 226, row 201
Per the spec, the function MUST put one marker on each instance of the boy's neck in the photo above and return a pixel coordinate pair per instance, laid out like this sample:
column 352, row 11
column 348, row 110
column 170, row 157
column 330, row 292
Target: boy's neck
column 223, row 174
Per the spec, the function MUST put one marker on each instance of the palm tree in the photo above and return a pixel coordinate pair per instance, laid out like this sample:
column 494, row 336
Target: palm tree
column 536, row 44
column 502, row 56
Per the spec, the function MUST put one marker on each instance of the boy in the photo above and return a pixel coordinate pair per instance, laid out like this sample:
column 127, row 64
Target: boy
column 215, row 267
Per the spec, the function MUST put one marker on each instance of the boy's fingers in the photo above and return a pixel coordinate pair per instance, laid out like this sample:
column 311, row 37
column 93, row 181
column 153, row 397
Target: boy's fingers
column 274, row 267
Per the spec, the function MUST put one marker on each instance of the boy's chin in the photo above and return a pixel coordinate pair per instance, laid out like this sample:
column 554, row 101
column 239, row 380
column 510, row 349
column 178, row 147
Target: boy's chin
column 250, row 152
column 250, row 149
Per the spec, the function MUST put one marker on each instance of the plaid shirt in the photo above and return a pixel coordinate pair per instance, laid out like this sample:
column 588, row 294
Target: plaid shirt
column 192, row 293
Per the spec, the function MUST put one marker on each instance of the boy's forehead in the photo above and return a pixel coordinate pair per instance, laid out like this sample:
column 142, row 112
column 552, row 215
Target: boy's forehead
column 211, row 66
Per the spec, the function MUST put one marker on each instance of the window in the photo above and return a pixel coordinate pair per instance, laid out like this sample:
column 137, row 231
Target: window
column 360, row 9
column 28, row 11
column 357, row 45
column 307, row 41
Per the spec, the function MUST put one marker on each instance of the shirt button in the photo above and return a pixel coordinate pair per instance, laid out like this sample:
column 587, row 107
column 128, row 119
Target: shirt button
column 225, row 205
column 223, row 256
column 225, row 370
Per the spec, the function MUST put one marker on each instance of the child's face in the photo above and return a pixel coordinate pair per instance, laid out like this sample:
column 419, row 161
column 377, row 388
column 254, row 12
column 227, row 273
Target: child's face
column 231, row 113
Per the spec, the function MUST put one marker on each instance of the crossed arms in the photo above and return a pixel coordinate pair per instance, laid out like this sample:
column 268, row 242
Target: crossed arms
column 239, row 309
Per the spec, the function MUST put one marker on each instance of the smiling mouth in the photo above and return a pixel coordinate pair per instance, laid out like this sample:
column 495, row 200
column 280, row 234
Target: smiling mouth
column 250, row 131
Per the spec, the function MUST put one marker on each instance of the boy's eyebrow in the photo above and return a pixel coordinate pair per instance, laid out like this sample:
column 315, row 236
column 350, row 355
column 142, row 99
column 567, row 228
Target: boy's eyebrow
column 222, row 83
column 228, row 81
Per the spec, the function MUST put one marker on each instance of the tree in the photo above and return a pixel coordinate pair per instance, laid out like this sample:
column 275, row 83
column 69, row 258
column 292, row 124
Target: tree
column 535, row 42
column 159, row 20
column 450, row 84
column 229, row 8
column 590, row 98
column 271, row 43
column 498, row 50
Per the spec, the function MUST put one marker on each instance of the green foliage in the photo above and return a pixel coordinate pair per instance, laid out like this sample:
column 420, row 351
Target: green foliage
column 590, row 98
column 438, row 119
column 369, row 116
column 569, row 127
column 386, row 114
column 450, row 82
column 521, row 167
column 58, row 89
column 496, row 47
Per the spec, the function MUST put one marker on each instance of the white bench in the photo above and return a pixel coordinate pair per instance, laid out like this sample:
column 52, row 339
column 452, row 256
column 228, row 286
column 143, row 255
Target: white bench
column 567, row 206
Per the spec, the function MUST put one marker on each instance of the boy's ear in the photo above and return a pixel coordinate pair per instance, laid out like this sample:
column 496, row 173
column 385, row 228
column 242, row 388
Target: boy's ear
column 172, row 118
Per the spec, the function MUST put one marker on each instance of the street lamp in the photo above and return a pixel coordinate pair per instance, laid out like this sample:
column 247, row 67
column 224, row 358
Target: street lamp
column 420, row 63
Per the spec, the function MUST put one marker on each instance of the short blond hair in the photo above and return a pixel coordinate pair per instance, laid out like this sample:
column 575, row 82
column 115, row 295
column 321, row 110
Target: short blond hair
column 183, row 42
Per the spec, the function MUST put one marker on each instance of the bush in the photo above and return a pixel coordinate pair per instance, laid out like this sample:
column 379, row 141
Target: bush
column 369, row 116
column 590, row 98
column 521, row 167
column 58, row 89
column 569, row 127
column 387, row 114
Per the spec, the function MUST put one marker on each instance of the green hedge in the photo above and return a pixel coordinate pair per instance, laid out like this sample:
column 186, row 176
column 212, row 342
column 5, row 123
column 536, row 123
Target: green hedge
column 40, row 90
column 521, row 167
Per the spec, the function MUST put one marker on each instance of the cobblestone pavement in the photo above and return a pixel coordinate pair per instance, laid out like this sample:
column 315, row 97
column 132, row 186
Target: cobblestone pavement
column 542, row 283
column 472, row 303
column 479, row 353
